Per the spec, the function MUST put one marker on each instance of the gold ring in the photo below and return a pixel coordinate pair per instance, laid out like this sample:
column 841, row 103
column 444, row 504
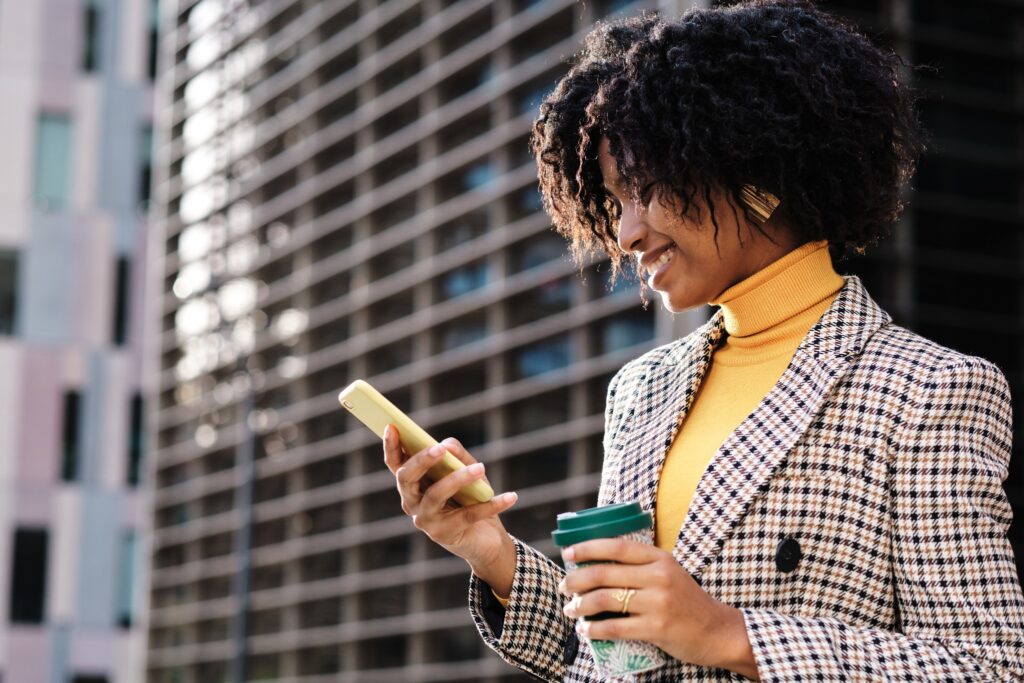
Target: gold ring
column 623, row 596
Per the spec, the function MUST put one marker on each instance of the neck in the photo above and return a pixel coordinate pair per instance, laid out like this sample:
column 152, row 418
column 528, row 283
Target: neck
column 782, row 289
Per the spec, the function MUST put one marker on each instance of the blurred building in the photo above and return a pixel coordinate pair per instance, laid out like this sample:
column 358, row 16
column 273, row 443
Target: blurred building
column 74, row 184
column 952, row 271
column 345, row 192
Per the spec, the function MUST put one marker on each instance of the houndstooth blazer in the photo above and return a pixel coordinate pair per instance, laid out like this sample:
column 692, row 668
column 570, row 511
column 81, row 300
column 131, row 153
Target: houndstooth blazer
column 879, row 453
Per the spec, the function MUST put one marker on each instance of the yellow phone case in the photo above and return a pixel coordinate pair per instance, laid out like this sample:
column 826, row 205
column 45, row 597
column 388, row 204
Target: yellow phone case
column 371, row 408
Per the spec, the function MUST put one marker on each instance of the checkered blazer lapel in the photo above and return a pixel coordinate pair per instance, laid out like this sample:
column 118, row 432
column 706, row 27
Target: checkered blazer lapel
column 746, row 460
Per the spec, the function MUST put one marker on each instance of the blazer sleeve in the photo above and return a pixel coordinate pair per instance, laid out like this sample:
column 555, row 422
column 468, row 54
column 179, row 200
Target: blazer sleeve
column 958, row 595
column 532, row 633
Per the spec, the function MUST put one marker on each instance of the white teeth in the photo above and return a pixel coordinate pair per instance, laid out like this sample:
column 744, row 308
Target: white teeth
column 665, row 257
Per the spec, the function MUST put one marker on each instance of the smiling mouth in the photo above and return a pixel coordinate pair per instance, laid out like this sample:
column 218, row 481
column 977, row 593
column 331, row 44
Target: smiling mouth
column 664, row 258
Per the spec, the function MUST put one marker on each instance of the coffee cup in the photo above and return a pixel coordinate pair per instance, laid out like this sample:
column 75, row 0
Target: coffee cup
column 625, row 520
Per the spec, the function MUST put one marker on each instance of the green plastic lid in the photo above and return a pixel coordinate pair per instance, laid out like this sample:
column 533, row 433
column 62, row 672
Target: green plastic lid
column 600, row 522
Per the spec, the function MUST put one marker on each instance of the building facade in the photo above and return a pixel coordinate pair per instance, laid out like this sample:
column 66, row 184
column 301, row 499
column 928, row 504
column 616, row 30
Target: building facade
column 344, row 191
column 74, row 511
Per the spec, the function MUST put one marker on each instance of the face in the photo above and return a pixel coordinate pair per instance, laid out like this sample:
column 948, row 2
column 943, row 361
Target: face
column 678, row 256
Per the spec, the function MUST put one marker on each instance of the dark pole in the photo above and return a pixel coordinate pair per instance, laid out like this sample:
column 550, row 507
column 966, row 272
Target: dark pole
column 243, row 535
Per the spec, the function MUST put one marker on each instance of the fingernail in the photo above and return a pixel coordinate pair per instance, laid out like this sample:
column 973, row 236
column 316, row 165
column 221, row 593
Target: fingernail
column 569, row 554
column 436, row 451
column 476, row 468
column 509, row 497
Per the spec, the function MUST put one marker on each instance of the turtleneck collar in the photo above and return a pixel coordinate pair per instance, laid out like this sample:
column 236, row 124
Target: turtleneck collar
column 781, row 290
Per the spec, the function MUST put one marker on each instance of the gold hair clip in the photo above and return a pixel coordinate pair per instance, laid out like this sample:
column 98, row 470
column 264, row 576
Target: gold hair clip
column 760, row 204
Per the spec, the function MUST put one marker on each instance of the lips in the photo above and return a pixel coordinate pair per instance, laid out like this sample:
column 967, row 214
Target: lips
column 650, row 257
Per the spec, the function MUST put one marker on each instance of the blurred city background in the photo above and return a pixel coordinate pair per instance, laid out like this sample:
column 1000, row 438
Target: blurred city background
column 214, row 215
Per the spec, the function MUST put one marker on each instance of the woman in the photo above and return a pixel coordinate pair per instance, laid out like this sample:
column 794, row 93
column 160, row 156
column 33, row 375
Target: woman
column 826, row 485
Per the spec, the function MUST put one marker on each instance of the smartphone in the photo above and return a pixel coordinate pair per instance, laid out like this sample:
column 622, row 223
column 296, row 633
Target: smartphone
column 376, row 412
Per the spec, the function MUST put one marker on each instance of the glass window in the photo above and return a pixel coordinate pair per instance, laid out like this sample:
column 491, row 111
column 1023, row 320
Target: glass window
column 91, row 41
column 625, row 330
column 154, row 38
column 537, row 468
column 537, row 412
column 470, row 430
column 320, row 660
column 28, row 578
column 390, row 357
column 390, row 552
column 386, row 652
column 613, row 6
column 135, row 441
column 545, row 356
column 464, row 280
column 145, row 163
column 8, row 291
column 626, row 281
column 126, row 588
column 988, row 19
column 944, row 286
column 394, row 260
column 454, row 645
column 392, row 309
column 949, row 177
column 459, row 383
column 71, row 448
column 477, row 176
column 525, row 201
column 536, row 251
column 942, row 230
column 121, row 275
column 548, row 298
column 462, row 332
column 528, row 101
column 53, row 161
column 463, row 229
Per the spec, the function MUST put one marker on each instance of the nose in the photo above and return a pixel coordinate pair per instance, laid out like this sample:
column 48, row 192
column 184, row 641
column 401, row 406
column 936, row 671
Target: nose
column 632, row 228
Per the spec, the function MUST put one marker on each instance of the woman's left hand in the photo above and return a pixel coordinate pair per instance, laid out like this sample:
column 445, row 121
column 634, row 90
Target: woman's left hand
column 668, row 608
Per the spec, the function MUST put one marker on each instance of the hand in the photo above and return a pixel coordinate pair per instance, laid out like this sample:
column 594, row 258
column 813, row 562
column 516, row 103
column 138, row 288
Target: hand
column 473, row 533
column 668, row 608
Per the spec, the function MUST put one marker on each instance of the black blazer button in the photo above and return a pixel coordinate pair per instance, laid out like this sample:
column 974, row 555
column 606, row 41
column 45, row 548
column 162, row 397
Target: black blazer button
column 572, row 644
column 787, row 554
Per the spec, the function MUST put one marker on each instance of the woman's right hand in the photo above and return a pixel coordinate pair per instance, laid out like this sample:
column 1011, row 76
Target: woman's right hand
column 473, row 533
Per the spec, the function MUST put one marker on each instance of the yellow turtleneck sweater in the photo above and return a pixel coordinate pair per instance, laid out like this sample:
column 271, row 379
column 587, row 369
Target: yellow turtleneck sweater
column 766, row 316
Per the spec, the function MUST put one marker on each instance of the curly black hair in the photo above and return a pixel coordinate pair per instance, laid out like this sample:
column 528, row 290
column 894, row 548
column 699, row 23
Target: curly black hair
column 774, row 93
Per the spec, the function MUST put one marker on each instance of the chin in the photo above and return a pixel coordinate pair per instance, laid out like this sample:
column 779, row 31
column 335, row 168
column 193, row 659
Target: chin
column 677, row 305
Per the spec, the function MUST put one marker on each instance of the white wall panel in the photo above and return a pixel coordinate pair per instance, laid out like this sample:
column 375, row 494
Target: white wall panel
column 64, row 541
column 133, row 50
column 21, row 24
column 88, row 129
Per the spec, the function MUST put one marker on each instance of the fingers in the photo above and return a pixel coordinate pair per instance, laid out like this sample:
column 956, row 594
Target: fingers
column 611, row 575
column 448, row 486
column 605, row 600
column 421, row 496
column 621, row 550
column 394, row 454
column 455, row 447
column 495, row 506
column 415, row 468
